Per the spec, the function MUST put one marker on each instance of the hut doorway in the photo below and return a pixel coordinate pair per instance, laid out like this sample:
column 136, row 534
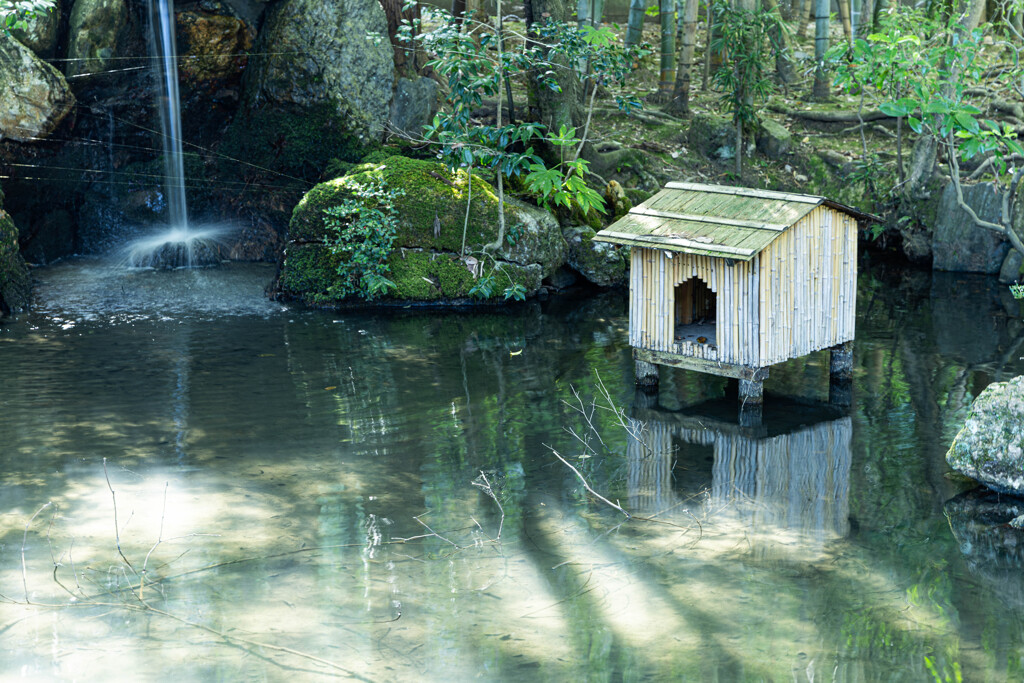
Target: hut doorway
column 695, row 306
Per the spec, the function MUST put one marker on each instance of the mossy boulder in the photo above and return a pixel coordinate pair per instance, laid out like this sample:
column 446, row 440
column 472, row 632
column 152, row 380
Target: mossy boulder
column 990, row 447
column 14, row 280
column 425, row 263
column 603, row 264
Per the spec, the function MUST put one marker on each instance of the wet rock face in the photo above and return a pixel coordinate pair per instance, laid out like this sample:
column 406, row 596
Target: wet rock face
column 327, row 58
column 94, row 30
column 990, row 447
column 211, row 46
column 34, row 97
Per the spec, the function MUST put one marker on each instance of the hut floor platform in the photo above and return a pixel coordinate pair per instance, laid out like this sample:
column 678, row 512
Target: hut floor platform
column 696, row 333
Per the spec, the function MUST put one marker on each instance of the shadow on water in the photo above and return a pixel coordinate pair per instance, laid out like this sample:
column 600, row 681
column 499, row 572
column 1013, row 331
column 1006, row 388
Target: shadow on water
column 318, row 488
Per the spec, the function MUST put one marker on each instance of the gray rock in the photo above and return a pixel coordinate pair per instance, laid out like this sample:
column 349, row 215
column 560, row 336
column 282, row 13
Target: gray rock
column 603, row 264
column 1010, row 270
column 990, row 447
column 774, row 140
column 960, row 245
column 40, row 35
column 332, row 60
column 94, row 30
column 533, row 237
column 709, row 134
column 917, row 246
column 983, row 524
column 414, row 105
column 34, row 97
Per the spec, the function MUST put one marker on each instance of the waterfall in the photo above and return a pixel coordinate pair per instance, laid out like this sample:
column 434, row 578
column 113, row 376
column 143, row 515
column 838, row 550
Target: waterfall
column 162, row 21
column 179, row 245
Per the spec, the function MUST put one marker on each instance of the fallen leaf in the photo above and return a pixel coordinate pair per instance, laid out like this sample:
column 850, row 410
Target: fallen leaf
column 516, row 353
column 330, row 388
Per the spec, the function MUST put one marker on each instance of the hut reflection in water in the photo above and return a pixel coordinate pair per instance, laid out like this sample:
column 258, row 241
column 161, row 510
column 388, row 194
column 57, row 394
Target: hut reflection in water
column 780, row 477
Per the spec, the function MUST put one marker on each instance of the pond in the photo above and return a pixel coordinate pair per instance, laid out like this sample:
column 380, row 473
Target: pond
column 200, row 484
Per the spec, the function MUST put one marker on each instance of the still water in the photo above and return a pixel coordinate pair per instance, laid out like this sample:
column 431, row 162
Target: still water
column 200, row 484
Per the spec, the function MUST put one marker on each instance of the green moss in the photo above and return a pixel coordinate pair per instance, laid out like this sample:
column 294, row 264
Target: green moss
column 307, row 273
column 431, row 193
column 299, row 143
column 429, row 276
column 637, row 196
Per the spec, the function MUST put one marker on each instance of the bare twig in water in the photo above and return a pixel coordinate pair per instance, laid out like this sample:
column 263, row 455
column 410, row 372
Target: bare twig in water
column 117, row 528
column 489, row 490
column 587, row 485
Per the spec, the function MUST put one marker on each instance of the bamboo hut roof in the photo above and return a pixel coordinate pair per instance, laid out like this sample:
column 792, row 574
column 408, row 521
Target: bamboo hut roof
column 713, row 220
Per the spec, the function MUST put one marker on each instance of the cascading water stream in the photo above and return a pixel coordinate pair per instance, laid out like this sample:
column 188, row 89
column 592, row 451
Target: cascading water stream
column 181, row 245
column 170, row 113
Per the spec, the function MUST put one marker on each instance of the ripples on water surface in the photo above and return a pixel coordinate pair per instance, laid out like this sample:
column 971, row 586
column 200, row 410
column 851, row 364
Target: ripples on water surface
column 267, row 464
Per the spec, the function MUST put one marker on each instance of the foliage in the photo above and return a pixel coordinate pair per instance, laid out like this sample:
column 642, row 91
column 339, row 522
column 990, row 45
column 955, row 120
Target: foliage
column 486, row 285
column 748, row 40
column 14, row 14
column 475, row 71
column 363, row 228
column 564, row 184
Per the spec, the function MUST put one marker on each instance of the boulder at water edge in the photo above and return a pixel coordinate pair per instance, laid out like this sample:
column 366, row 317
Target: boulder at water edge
column 603, row 264
column 425, row 263
column 14, row 282
column 34, row 97
column 990, row 447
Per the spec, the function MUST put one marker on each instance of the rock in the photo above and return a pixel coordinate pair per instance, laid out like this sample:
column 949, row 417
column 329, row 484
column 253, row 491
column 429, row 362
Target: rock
column 917, row 246
column 774, row 140
column 603, row 264
column 990, row 447
column 616, row 200
column 14, row 280
column 40, row 35
column 424, row 263
column 332, row 60
column 1010, row 270
column 94, row 29
column 414, row 105
column 211, row 46
column 710, row 134
column 960, row 245
column 34, row 97
column 563, row 278
column 834, row 159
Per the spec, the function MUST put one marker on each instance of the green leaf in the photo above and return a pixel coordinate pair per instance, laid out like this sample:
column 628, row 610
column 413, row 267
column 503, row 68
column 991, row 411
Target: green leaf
column 915, row 124
column 967, row 121
column 894, row 109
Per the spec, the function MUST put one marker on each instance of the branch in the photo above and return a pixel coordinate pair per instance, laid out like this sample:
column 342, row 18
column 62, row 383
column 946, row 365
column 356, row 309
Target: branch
column 1005, row 230
column 586, row 485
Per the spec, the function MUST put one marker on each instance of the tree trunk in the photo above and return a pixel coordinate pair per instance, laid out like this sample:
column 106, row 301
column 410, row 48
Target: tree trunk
column 555, row 109
column 804, row 15
column 405, row 54
column 784, row 72
column 635, row 23
column 867, row 19
column 844, row 17
column 821, row 86
column 667, row 76
column 680, row 102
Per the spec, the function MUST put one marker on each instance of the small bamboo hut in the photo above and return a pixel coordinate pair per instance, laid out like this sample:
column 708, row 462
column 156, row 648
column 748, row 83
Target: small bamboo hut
column 729, row 280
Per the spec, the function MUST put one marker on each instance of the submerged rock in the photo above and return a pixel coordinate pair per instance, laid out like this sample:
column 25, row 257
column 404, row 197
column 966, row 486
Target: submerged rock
column 34, row 97
column 425, row 263
column 982, row 522
column 94, row 32
column 990, row 447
